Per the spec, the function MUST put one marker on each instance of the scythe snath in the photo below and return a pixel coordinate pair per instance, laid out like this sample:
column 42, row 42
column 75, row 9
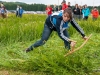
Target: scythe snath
column 73, row 50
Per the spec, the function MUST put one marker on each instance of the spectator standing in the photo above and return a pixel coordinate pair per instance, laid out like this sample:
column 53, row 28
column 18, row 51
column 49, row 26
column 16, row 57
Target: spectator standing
column 86, row 12
column 20, row 12
column 80, row 15
column 48, row 10
column 3, row 11
column 55, row 8
column 17, row 11
column 83, row 7
column 64, row 5
column 76, row 11
column 69, row 6
column 95, row 13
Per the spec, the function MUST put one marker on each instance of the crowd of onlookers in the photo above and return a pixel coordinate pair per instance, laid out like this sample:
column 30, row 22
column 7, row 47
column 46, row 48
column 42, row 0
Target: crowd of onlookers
column 79, row 12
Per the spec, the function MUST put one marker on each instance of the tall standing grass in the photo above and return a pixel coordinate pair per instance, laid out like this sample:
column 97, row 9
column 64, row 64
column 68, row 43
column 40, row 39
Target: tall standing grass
column 21, row 29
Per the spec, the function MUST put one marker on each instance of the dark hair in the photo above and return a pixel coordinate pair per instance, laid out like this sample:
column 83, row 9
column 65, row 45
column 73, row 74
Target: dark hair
column 69, row 11
column 63, row 1
column 95, row 7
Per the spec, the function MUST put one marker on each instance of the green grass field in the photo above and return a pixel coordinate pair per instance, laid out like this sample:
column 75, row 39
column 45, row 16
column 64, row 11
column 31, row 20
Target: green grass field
column 16, row 34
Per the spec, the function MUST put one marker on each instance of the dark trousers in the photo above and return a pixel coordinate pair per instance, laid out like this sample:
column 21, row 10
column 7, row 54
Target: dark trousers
column 17, row 13
column 45, row 36
column 85, row 17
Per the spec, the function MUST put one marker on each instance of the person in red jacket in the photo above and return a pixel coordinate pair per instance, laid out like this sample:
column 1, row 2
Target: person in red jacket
column 48, row 10
column 64, row 5
column 95, row 13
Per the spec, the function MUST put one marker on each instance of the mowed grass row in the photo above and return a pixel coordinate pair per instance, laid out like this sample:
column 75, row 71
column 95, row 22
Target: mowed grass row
column 16, row 34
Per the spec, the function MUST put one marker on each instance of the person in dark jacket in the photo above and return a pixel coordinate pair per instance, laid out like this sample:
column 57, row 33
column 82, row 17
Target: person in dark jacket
column 58, row 22
column 76, row 11
column 69, row 6
column 55, row 8
column 80, row 15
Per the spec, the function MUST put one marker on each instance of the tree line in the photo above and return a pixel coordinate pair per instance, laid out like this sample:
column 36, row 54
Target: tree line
column 29, row 7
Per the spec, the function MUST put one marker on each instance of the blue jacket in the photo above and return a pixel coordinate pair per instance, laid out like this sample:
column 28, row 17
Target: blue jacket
column 86, row 12
column 2, row 10
column 55, row 22
column 21, row 11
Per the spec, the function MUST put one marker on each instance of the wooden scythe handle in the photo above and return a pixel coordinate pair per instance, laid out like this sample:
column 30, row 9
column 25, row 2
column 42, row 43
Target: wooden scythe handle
column 72, row 51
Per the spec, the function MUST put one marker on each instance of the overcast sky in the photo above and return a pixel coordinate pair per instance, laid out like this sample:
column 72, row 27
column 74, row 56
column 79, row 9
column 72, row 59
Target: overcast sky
column 80, row 2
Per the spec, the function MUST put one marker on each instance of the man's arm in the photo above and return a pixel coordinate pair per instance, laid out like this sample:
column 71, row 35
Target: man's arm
column 77, row 27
